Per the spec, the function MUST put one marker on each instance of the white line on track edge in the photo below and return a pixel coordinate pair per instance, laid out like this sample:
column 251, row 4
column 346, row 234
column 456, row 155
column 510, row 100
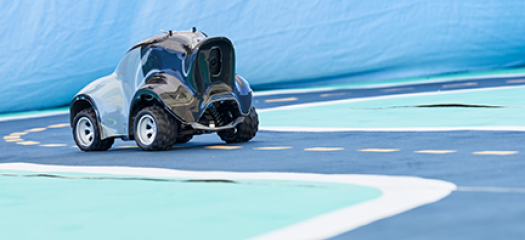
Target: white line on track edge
column 399, row 194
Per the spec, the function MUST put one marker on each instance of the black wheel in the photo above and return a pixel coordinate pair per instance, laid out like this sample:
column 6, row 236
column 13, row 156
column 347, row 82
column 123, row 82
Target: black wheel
column 87, row 133
column 243, row 132
column 184, row 138
column 155, row 129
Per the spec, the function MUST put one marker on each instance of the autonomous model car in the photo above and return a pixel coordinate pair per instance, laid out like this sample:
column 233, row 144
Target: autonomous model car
column 165, row 90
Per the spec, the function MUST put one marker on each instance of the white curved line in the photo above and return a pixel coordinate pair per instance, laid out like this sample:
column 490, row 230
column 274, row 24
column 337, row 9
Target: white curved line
column 399, row 194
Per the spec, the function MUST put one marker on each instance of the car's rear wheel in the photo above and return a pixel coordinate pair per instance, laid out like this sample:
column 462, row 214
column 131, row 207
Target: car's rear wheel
column 155, row 129
column 244, row 131
column 87, row 134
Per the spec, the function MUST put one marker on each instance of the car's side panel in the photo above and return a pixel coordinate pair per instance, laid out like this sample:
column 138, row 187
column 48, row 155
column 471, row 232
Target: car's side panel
column 112, row 95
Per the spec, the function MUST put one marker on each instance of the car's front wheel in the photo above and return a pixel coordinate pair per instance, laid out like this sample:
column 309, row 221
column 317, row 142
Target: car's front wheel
column 155, row 129
column 87, row 134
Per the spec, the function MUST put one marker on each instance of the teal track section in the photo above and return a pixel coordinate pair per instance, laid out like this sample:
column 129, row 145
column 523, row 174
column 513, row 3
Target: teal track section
column 400, row 111
column 127, row 208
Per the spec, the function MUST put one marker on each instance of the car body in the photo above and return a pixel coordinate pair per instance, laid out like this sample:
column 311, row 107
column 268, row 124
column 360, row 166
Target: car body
column 188, row 75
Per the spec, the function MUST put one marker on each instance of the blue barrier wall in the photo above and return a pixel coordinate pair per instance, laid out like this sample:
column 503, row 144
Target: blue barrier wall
column 51, row 49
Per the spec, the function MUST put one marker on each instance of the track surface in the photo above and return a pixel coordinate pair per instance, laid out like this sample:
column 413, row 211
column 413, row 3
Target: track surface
column 487, row 205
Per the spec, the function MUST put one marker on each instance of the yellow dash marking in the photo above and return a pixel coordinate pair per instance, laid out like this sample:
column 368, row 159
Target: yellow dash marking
column 495, row 152
column 379, row 150
column 124, row 147
column 397, row 89
column 28, row 143
column 61, row 125
column 12, row 137
column 14, row 140
column 516, row 81
column 281, row 100
column 74, row 146
column 436, row 151
column 17, row 134
column 53, row 145
column 460, row 85
column 36, row 130
column 271, row 148
column 223, row 147
column 324, row 149
column 332, row 94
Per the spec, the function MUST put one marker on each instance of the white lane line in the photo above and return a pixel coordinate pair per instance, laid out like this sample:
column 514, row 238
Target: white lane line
column 399, row 194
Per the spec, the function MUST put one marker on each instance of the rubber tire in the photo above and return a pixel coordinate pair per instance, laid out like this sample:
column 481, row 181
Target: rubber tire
column 167, row 128
column 184, row 139
column 244, row 131
column 97, row 144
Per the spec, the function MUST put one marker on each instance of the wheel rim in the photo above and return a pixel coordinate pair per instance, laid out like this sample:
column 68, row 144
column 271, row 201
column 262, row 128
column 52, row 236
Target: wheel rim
column 85, row 131
column 146, row 130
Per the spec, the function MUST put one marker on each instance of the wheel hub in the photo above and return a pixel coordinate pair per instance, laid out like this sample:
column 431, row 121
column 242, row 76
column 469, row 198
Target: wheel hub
column 85, row 131
column 146, row 130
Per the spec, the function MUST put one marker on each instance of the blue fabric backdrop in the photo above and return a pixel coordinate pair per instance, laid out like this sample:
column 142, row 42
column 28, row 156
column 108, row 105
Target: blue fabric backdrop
column 51, row 49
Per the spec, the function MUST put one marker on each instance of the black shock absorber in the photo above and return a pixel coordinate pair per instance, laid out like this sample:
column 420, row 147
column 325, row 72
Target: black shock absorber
column 216, row 116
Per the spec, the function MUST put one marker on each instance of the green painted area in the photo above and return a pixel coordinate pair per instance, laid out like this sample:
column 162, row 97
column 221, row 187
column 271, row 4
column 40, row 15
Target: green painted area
column 444, row 78
column 27, row 113
column 370, row 114
column 51, row 208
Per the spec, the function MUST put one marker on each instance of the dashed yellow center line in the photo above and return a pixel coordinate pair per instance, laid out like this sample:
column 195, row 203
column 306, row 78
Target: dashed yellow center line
column 397, row 89
column 469, row 84
column 324, row 149
column 125, row 147
column 11, row 137
column 281, row 100
column 53, row 145
column 36, row 130
column 14, row 140
column 436, row 151
column 332, row 94
column 272, row 148
column 516, row 81
column 379, row 150
column 17, row 134
column 223, row 147
column 60, row 125
column 28, row 143
column 495, row 152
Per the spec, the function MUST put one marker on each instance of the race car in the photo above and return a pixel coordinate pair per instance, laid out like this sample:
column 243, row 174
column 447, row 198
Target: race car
column 165, row 90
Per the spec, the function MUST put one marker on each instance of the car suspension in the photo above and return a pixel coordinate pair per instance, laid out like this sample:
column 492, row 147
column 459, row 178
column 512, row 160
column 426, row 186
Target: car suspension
column 215, row 115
